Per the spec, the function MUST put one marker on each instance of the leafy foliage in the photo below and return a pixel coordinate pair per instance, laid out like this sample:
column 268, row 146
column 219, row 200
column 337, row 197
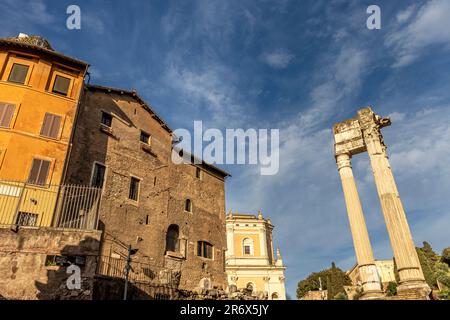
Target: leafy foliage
column 391, row 289
column 427, row 263
column 434, row 267
column 333, row 280
column 446, row 256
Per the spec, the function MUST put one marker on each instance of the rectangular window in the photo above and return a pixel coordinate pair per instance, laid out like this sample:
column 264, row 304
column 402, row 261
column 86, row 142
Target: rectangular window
column 39, row 172
column 247, row 250
column 50, row 126
column 98, row 176
column 61, row 85
column 204, row 249
column 18, row 73
column 134, row 189
column 198, row 173
column 106, row 119
column 145, row 137
column 6, row 114
column 27, row 219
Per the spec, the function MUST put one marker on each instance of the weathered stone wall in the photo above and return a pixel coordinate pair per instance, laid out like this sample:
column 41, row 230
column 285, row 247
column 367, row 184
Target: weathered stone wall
column 164, row 188
column 23, row 254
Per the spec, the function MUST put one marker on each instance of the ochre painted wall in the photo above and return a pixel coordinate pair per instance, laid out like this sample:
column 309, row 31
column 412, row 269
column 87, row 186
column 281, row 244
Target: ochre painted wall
column 238, row 243
column 21, row 141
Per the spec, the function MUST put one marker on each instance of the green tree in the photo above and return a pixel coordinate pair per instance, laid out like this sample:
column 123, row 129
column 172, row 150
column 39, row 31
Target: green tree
column 443, row 274
column 337, row 281
column 446, row 256
column 427, row 265
column 333, row 278
column 429, row 253
column 396, row 275
column 391, row 289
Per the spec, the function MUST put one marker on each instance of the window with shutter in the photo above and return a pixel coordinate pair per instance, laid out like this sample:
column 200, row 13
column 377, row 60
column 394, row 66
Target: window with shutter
column 61, row 85
column 39, row 172
column 50, row 126
column 6, row 114
column 18, row 73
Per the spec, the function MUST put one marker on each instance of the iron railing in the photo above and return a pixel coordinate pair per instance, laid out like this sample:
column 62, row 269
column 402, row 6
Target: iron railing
column 140, row 272
column 60, row 206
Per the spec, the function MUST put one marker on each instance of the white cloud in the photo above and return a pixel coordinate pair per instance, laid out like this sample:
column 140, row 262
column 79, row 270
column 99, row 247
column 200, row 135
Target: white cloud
column 406, row 14
column 278, row 59
column 22, row 16
column 429, row 27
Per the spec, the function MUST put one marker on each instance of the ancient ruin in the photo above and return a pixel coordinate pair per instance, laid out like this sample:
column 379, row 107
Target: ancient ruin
column 363, row 134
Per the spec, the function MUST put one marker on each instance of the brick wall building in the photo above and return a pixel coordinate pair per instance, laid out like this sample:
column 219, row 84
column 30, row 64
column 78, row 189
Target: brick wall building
column 173, row 214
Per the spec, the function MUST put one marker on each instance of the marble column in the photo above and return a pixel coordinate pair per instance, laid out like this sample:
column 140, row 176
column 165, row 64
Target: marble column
column 363, row 249
column 403, row 247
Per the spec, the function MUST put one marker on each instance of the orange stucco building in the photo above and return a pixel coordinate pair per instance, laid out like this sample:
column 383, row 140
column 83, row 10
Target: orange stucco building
column 39, row 93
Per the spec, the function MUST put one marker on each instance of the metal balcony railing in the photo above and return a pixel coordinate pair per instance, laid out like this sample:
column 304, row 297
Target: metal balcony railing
column 58, row 206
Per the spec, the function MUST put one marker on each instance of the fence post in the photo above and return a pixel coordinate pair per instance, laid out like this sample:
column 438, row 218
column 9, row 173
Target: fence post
column 57, row 210
column 16, row 212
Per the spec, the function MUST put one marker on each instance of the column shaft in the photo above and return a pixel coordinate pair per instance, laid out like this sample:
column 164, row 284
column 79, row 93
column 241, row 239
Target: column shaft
column 397, row 225
column 363, row 249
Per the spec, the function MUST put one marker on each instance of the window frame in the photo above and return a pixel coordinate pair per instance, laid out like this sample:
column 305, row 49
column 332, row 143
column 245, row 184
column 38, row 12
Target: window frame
column 67, row 94
column 26, row 75
column 48, row 176
column 94, row 164
column 139, row 180
column 176, row 229
column 202, row 250
column 27, row 216
column 248, row 242
column 148, row 135
column 12, row 116
column 198, row 173
column 61, row 125
column 30, row 61
column 186, row 201
column 56, row 72
column 109, row 116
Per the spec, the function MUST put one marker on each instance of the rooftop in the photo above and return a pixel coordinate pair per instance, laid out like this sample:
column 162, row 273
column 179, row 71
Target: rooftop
column 40, row 45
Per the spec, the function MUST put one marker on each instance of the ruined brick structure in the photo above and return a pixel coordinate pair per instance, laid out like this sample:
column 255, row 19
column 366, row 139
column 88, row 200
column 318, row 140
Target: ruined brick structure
column 170, row 213
column 30, row 271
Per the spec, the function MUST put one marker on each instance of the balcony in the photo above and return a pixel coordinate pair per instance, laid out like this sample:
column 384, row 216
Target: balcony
column 58, row 206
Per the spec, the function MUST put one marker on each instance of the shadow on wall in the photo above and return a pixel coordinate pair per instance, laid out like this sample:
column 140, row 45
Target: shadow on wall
column 70, row 274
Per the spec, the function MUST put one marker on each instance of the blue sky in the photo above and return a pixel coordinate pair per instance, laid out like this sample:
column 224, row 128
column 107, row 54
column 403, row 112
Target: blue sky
column 299, row 66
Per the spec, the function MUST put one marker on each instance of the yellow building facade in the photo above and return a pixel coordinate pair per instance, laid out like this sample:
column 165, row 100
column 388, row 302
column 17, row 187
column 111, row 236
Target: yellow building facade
column 39, row 94
column 250, row 260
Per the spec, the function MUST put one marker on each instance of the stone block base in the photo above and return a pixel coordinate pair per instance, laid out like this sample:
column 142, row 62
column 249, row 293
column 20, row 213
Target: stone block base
column 413, row 291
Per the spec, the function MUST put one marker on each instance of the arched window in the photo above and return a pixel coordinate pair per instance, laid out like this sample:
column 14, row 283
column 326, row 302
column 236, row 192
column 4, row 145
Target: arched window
column 247, row 246
column 172, row 238
column 274, row 296
column 250, row 287
column 188, row 205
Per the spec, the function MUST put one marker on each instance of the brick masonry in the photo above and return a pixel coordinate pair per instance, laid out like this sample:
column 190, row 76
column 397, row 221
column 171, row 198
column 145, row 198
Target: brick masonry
column 164, row 188
column 22, row 262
